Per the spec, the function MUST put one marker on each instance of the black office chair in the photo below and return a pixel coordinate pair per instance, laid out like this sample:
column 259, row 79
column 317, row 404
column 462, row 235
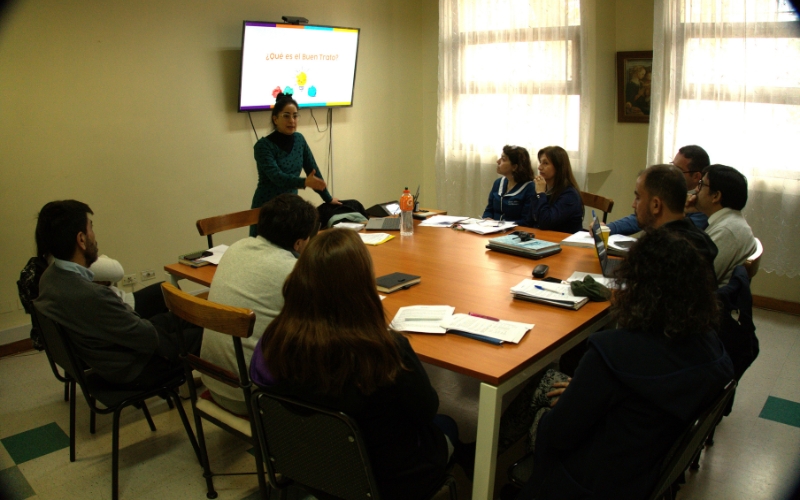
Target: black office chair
column 114, row 399
column 688, row 447
column 28, row 290
column 319, row 450
column 683, row 453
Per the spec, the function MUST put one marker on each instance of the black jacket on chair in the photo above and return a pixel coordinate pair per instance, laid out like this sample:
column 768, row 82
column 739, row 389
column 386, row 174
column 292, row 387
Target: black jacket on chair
column 736, row 329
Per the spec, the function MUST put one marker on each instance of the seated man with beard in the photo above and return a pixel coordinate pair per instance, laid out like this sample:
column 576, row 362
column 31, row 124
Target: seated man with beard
column 107, row 334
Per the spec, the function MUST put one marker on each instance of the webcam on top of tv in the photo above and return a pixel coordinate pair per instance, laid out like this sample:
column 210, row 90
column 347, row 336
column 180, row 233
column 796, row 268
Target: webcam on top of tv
column 294, row 20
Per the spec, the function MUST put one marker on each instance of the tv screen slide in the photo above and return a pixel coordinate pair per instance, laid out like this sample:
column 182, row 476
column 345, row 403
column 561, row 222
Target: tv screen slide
column 316, row 64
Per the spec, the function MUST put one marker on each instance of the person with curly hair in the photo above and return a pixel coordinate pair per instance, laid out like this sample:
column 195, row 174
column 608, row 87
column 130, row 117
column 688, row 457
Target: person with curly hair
column 637, row 387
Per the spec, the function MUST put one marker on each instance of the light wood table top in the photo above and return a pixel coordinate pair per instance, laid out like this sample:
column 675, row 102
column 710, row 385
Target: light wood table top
column 458, row 270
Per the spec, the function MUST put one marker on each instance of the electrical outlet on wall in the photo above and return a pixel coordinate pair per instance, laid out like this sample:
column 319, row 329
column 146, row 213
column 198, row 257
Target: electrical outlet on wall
column 148, row 275
column 129, row 279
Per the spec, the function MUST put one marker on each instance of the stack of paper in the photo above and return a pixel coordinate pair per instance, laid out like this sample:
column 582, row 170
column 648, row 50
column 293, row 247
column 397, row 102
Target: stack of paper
column 355, row 226
column 375, row 238
column 544, row 292
column 482, row 226
column 503, row 331
column 422, row 319
column 442, row 221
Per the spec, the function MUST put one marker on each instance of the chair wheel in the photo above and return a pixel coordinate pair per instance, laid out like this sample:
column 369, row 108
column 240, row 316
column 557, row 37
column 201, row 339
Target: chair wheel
column 212, row 495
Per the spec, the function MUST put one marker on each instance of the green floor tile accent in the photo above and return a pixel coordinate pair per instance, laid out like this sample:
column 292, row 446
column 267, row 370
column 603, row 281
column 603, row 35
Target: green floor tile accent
column 13, row 485
column 781, row 410
column 35, row 443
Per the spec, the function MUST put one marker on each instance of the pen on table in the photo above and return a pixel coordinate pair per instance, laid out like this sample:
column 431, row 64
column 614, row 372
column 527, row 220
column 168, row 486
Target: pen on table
column 484, row 317
column 540, row 287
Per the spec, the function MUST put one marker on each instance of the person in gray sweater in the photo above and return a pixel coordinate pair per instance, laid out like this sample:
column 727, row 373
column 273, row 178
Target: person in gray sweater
column 107, row 334
column 251, row 275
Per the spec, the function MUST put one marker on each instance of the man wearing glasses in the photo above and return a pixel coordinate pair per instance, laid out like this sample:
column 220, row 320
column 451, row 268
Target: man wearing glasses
column 691, row 160
column 721, row 194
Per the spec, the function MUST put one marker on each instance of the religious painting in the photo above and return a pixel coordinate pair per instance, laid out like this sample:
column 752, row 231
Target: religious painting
column 634, row 72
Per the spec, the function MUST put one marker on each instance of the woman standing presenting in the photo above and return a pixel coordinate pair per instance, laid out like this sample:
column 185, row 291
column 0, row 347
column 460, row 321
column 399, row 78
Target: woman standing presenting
column 558, row 205
column 329, row 346
column 511, row 195
column 281, row 155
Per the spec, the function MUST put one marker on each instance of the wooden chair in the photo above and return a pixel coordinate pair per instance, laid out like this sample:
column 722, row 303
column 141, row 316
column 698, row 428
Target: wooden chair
column 753, row 262
column 598, row 202
column 320, row 450
column 238, row 323
column 212, row 225
column 113, row 398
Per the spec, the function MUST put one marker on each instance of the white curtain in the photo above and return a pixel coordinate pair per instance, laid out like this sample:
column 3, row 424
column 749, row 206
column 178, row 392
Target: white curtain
column 726, row 76
column 509, row 73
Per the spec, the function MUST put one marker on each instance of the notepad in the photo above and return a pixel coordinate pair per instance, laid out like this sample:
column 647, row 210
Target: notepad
column 530, row 248
column 543, row 292
column 396, row 281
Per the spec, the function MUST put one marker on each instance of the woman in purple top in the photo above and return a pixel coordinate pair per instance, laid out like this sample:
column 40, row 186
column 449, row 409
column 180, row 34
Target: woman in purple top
column 329, row 346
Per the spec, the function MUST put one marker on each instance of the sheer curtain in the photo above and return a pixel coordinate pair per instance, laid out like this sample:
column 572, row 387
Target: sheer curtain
column 727, row 77
column 509, row 73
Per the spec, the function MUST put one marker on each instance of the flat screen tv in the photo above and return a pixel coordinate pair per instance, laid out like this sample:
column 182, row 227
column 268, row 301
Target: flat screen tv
column 316, row 64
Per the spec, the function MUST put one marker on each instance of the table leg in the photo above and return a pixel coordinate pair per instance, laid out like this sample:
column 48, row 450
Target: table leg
column 173, row 280
column 490, row 404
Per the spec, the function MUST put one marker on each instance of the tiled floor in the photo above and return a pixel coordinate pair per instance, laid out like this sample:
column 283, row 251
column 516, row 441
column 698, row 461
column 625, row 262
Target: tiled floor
column 756, row 455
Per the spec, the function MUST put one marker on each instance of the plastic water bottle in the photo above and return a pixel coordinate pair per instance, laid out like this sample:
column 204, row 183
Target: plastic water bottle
column 406, row 213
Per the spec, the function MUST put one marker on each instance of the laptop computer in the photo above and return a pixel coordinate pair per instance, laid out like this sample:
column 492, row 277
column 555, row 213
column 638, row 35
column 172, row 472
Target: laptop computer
column 383, row 224
column 608, row 265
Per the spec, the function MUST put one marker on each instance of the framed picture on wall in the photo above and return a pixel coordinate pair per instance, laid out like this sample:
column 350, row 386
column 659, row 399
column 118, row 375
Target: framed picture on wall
column 634, row 70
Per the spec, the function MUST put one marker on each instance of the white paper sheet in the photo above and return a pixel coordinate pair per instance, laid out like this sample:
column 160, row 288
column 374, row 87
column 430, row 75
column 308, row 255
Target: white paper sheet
column 507, row 331
column 217, row 253
column 442, row 220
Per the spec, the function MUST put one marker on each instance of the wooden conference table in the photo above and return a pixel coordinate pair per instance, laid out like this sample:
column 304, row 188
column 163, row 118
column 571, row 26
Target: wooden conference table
column 458, row 270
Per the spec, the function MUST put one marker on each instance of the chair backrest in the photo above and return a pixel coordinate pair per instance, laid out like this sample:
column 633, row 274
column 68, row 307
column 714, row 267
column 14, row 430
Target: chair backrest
column 753, row 262
column 598, row 202
column 212, row 225
column 237, row 322
column 318, row 449
column 691, row 441
column 59, row 350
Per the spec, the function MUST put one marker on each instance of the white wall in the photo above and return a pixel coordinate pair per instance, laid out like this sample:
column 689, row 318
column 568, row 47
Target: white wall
column 131, row 108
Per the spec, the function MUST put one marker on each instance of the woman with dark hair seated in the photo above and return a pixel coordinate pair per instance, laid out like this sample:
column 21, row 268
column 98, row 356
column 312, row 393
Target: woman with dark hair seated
column 512, row 194
column 329, row 346
column 636, row 388
column 558, row 205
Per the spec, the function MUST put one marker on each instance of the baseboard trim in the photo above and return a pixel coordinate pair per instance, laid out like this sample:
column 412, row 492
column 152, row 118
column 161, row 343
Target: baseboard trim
column 776, row 305
column 16, row 347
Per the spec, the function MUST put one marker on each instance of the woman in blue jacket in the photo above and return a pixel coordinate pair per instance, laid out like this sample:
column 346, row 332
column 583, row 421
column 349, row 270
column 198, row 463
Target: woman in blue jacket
column 557, row 205
column 512, row 194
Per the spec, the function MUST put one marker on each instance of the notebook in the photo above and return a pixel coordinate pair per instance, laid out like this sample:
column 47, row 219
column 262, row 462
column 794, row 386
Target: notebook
column 525, row 246
column 383, row 224
column 396, row 281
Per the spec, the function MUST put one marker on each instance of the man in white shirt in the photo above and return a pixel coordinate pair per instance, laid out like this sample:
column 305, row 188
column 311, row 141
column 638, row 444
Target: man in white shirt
column 721, row 195
column 251, row 275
